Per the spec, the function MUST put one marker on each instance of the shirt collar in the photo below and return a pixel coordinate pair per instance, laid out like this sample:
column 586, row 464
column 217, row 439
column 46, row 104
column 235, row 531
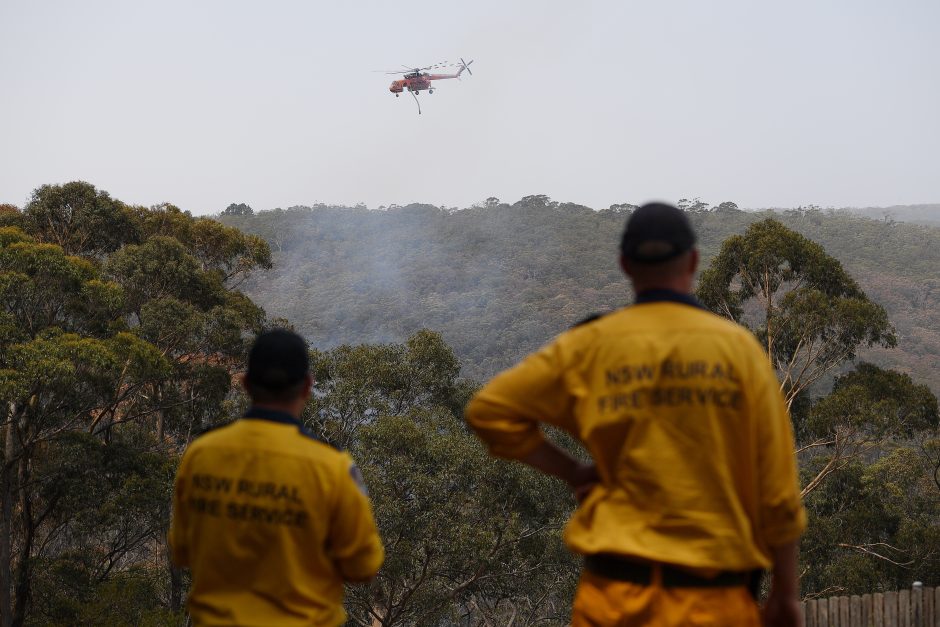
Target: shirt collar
column 272, row 415
column 666, row 295
column 282, row 417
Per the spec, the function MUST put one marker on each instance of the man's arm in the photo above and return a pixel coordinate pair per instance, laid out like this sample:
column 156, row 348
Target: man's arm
column 354, row 544
column 551, row 460
column 782, row 517
column 507, row 412
column 782, row 608
column 507, row 415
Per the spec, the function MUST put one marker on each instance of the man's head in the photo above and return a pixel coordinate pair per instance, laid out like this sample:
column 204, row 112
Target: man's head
column 278, row 370
column 658, row 249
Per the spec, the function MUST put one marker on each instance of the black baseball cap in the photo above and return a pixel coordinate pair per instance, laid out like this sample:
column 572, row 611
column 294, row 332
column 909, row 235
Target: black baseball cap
column 278, row 360
column 656, row 232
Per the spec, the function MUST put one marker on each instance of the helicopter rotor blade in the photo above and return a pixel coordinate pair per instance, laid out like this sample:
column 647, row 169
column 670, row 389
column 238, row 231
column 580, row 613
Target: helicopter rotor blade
column 436, row 65
column 408, row 69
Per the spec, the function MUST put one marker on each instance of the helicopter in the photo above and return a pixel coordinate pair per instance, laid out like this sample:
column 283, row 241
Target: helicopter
column 418, row 79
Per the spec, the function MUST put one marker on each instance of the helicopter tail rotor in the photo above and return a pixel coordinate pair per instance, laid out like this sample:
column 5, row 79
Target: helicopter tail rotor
column 464, row 66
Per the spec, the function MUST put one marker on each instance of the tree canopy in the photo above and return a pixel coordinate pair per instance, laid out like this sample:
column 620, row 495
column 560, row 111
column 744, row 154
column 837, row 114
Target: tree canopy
column 808, row 312
column 119, row 330
column 498, row 279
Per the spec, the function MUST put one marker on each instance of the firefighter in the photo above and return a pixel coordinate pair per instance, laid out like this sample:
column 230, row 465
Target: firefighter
column 271, row 521
column 693, row 490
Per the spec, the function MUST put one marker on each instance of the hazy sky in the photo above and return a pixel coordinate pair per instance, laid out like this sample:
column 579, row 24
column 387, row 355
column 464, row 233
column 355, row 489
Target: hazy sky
column 275, row 103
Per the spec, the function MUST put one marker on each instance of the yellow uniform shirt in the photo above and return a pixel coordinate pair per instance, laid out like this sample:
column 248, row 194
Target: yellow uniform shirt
column 271, row 522
column 684, row 418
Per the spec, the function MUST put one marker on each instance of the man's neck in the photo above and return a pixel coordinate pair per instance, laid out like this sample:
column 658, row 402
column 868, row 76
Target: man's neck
column 285, row 408
column 680, row 285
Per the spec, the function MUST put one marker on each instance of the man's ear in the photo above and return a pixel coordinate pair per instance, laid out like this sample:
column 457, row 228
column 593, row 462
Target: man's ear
column 693, row 261
column 308, row 386
column 243, row 381
column 625, row 265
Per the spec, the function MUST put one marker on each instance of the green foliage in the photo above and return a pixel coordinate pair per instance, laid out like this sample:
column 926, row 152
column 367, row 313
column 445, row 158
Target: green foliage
column 41, row 287
column 160, row 268
column 240, row 209
column 355, row 383
column 799, row 301
column 498, row 280
column 10, row 216
column 131, row 597
column 867, row 479
column 119, row 328
column 12, row 235
column 79, row 219
column 218, row 248
column 874, row 527
column 63, row 377
column 879, row 402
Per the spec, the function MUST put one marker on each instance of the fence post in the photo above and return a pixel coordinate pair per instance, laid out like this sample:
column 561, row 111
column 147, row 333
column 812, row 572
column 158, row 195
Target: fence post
column 917, row 604
column 929, row 608
column 904, row 608
column 878, row 609
column 891, row 609
column 834, row 612
column 822, row 612
column 936, row 607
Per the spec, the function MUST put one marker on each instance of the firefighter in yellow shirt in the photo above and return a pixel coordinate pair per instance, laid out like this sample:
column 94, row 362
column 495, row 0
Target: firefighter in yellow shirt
column 271, row 521
column 694, row 488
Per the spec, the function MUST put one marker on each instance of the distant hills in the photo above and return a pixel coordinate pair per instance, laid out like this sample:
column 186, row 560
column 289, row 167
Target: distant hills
column 919, row 214
column 928, row 214
column 499, row 280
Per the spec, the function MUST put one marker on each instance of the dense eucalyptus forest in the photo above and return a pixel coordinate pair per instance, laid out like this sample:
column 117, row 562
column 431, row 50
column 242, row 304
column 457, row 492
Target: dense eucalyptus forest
column 122, row 327
column 497, row 280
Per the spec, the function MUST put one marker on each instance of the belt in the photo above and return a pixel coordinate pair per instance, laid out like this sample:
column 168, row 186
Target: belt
column 621, row 569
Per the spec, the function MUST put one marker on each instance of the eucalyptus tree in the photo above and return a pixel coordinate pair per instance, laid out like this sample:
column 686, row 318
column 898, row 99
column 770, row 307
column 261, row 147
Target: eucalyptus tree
column 80, row 219
column 870, row 485
column 868, row 409
column 120, row 328
column 62, row 369
column 808, row 312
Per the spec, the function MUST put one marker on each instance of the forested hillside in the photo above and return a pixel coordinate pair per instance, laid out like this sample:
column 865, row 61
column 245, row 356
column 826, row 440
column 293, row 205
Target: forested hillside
column 919, row 214
column 498, row 280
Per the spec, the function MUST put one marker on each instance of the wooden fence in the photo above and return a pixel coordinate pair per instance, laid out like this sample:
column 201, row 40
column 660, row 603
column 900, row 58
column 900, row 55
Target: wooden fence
column 917, row 607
